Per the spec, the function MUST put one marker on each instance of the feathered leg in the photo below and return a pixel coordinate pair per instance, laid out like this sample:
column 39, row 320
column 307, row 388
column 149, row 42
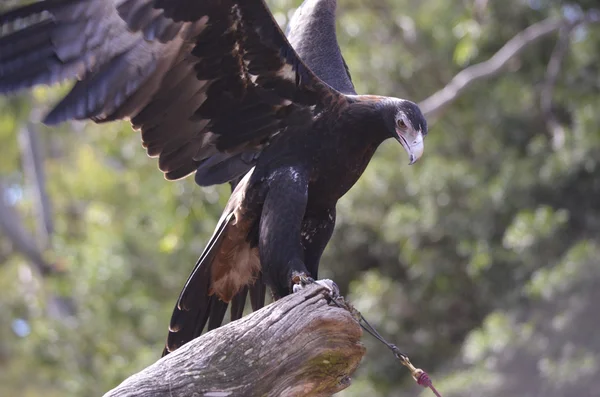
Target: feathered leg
column 281, row 252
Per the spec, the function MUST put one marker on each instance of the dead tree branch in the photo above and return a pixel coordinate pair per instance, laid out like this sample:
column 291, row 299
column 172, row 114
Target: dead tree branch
column 297, row 346
column 547, row 92
column 12, row 225
column 35, row 176
column 515, row 46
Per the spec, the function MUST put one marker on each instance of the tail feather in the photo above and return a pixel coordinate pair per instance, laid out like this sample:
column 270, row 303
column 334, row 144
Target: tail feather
column 257, row 293
column 188, row 325
column 238, row 303
column 195, row 301
column 218, row 308
column 188, row 322
column 201, row 274
column 204, row 298
column 228, row 269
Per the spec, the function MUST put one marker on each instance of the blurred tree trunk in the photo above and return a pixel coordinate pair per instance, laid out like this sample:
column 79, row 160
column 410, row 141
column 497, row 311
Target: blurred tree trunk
column 13, row 227
column 32, row 246
column 33, row 166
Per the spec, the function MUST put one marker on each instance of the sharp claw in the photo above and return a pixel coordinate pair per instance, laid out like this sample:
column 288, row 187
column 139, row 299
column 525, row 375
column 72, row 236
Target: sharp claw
column 301, row 281
column 297, row 288
column 334, row 290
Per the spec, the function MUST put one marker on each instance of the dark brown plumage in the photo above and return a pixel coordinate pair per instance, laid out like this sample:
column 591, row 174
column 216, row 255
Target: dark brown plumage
column 215, row 88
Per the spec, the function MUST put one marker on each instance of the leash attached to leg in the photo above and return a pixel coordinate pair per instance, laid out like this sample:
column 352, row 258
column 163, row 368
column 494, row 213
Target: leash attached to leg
column 420, row 376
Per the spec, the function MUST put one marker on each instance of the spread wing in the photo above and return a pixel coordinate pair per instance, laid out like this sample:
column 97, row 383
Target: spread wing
column 312, row 33
column 208, row 82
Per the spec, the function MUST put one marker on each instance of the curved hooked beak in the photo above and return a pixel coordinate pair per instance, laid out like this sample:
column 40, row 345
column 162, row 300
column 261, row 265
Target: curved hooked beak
column 412, row 143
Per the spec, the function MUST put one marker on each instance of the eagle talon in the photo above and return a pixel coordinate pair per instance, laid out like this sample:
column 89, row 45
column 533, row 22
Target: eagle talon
column 301, row 281
column 334, row 290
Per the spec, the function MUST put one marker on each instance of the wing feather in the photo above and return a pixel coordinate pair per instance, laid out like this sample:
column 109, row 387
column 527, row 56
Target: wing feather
column 198, row 78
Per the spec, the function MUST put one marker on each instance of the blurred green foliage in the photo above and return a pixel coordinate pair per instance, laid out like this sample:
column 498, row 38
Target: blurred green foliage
column 480, row 262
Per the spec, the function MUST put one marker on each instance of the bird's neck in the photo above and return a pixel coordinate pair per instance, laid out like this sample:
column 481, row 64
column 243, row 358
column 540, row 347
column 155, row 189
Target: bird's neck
column 367, row 121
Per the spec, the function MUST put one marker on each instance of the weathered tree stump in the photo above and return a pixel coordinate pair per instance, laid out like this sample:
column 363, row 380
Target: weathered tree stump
column 297, row 346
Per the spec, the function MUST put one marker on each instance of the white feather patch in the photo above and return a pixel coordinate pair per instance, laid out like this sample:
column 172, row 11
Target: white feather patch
column 287, row 72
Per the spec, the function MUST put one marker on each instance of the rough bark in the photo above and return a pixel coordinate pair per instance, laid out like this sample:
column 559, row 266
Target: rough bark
column 297, row 346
